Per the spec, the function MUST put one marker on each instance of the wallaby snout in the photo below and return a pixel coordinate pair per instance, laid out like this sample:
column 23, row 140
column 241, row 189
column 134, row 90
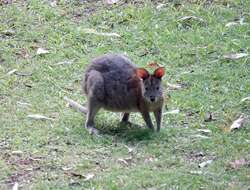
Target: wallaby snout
column 152, row 98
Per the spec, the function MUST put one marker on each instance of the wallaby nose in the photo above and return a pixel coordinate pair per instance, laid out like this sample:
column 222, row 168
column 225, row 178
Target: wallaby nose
column 152, row 98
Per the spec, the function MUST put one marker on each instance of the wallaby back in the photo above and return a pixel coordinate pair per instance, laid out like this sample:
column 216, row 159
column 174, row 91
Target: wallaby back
column 121, row 86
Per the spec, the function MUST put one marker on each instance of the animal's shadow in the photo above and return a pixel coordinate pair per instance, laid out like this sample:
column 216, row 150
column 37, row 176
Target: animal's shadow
column 127, row 132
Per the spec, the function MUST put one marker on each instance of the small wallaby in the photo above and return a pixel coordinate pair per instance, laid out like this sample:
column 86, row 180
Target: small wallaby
column 114, row 83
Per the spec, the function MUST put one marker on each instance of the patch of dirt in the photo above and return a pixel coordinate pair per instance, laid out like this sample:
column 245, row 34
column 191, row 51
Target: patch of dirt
column 236, row 164
column 25, row 168
column 85, row 9
column 82, row 10
column 24, row 176
column 5, row 2
column 198, row 156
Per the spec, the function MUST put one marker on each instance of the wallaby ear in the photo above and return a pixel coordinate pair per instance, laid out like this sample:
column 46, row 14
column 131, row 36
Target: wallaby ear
column 142, row 73
column 159, row 72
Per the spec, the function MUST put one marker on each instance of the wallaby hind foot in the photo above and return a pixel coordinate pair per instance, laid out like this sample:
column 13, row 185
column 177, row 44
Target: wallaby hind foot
column 93, row 131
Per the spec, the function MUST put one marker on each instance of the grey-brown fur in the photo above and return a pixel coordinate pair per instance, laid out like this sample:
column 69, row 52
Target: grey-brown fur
column 111, row 82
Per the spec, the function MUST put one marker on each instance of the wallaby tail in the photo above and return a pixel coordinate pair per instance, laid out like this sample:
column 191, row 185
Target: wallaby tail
column 76, row 105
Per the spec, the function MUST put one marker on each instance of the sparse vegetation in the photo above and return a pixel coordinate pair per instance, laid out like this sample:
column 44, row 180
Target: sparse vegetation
column 60, row 154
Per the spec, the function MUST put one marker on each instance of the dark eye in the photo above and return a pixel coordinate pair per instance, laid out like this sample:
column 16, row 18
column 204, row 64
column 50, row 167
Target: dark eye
column 157, row 88
column 146, row 88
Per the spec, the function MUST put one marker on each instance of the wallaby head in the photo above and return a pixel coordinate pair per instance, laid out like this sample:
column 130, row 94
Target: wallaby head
column 151, row 88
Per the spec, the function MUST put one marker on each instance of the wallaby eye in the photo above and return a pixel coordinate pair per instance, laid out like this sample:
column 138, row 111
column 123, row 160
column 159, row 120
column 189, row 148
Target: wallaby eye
column 146, row 88
column 157, row 88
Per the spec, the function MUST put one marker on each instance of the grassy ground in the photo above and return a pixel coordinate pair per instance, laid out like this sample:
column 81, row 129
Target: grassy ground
column 60, row 154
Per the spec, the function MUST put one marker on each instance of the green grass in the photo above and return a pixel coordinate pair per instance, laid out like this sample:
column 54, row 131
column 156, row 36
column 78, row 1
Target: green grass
column 52, row 151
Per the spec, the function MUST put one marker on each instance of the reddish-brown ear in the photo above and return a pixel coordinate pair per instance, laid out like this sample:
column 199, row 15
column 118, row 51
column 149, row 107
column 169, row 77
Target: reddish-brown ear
column 142, row 73
column 159, row 72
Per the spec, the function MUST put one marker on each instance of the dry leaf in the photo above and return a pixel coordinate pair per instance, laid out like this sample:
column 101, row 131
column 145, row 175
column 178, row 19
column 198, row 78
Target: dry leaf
column 68, row 62
column 153, row 65
column 200, row 136
column 12, row 72
column 15, row 186
column 159, row 6
column 23, row 74
column 74, row 183
column 66, row 168
column 186, row 72
column 111, row 2
column 245, row 99
column 240, row 22
column 125, row 161
column 89, row 176
column 74, row 174
column 196, row 172
column 38, row 116
column 238, row 123
column 28, row 85
column 122, row 161
column 231, row 24
column 53, row 3
column 174, row 86
column 239, row 163
column 176, row 111
column 17, row 152
column 205, row 131
column 129, row 149
column 203, row 164
column 23, row 103
column 209, row 117
column 92, row 31
column 150, row 159
column 190, row 18
column 235, row 56
column 24, row 53
column 36, row 158
column 9, row 32
column 145, row 52
column 86, row 177
column 41, row 51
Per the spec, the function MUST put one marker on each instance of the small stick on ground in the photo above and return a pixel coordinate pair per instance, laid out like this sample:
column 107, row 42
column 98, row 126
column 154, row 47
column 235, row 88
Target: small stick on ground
column 76, row 105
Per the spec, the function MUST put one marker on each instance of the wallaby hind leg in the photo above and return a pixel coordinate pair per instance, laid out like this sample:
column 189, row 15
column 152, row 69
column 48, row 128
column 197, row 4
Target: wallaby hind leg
column 90, row 123
column 95, row 90
column 147, row 119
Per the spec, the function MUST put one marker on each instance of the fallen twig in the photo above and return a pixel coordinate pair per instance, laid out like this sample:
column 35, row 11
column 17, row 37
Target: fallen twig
column 174, row 86
column 245, row 99
column 38, row 117
column 76, row 105
column 93, row 31
column 234, row 56
column 203, row 164
column 12, row 71
column 176, row 111
column 238, row 123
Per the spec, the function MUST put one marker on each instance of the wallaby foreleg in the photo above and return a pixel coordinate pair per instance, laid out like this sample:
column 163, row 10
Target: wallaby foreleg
column 125, row 117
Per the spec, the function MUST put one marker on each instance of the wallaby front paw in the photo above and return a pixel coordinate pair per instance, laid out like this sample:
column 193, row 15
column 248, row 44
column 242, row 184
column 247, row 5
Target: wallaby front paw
column 93, row 131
